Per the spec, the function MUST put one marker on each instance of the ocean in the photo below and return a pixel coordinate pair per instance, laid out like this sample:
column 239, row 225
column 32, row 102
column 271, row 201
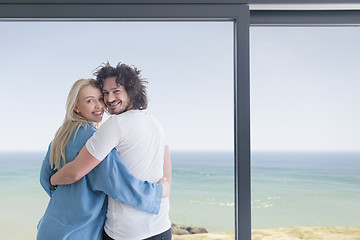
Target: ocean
column 305, row 189
column 288, row 189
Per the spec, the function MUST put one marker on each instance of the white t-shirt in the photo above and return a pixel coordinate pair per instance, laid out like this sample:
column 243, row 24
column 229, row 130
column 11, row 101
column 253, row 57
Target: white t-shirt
column 140, row 141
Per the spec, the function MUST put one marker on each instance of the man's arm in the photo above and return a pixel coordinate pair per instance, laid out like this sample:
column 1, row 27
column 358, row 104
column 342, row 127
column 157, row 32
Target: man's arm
column 76, row 169
column 167, row 169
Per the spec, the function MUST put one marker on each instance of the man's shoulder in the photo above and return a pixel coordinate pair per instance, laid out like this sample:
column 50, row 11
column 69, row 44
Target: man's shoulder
column 129, row 115
column 129, row 119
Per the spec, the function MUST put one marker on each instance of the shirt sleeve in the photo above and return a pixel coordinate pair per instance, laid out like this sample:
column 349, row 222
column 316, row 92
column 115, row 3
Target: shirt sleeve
column 114, row 178
column 161, row 129
column 104, row 139
column 45, row 174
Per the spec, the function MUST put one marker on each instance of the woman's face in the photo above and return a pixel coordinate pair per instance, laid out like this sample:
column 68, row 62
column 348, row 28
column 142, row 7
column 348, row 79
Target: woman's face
column 90, row 104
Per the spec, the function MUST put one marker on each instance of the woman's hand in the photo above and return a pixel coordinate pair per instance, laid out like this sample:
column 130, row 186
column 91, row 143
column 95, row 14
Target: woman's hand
column 166, row 187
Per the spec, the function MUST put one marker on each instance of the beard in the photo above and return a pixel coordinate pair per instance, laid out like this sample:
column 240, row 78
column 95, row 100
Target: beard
column 124, row 107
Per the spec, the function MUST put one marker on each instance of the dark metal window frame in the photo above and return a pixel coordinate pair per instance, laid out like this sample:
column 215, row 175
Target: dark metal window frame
column 306, row 18
column 236, row 11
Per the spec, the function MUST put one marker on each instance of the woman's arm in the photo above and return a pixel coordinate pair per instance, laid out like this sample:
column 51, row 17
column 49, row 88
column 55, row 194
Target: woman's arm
column 76, row 169
column 45, row 174
column 114, row 178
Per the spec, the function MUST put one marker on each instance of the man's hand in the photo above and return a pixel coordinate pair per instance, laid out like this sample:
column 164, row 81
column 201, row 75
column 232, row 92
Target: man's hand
column 166, row 187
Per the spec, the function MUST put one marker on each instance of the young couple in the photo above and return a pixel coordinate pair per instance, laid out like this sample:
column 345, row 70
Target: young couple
column 126, row 159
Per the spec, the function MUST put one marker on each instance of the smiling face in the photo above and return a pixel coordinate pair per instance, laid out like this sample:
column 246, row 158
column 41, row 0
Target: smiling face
column 90, row 104
column 115, row 96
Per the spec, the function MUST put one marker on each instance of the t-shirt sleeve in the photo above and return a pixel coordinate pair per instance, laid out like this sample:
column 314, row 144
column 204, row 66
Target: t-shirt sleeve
column 161, row 129
column 104, row 139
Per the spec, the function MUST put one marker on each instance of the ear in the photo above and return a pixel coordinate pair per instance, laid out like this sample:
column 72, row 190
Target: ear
column 76, row 109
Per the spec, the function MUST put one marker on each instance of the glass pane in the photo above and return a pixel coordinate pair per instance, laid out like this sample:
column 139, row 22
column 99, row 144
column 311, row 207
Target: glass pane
column 305, row 127
column 189, row 69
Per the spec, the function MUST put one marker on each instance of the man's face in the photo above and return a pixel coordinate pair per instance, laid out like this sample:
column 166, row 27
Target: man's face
column 115, row 96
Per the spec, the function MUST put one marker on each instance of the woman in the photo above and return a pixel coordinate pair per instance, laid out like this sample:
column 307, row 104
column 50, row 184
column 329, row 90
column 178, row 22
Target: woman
column 77, row 211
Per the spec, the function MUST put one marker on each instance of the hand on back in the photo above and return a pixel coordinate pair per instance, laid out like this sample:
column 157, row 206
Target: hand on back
column 166, row 187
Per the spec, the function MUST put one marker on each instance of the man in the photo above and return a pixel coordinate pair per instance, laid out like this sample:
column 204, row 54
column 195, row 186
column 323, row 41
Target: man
column 141, row 143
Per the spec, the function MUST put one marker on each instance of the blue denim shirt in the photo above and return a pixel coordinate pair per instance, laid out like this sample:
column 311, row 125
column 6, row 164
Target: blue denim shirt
column 78, row 211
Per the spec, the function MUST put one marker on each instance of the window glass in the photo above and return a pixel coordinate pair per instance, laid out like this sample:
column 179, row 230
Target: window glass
column 189, row 69
column 305, row 126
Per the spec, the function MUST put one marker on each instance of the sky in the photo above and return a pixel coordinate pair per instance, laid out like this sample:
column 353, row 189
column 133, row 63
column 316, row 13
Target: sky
column 305, row 88
column 304, row 81
column 188, row 66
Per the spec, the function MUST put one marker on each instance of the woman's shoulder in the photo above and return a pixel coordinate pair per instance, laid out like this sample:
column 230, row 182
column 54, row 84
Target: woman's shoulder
column 78, row 139
column 84, row 131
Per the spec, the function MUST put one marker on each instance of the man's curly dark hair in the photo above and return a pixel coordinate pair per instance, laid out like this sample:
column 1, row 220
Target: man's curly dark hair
column 129, row 77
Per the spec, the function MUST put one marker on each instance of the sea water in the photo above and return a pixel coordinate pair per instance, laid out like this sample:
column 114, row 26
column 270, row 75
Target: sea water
column 288, row 189
column 305, row 189
column 203, row 190
column 22, row 200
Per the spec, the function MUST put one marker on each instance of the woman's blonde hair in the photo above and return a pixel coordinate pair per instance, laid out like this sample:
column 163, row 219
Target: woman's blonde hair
column 73, row 121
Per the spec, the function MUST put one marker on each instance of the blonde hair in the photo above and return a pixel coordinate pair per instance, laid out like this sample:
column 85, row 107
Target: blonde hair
column 71, row 122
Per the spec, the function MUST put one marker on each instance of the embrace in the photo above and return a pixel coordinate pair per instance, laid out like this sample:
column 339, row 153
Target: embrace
column 110, row 181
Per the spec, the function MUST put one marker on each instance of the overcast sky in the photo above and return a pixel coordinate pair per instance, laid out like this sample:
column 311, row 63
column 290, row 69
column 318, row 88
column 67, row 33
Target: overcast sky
column 305, row 88
column 304, row 81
